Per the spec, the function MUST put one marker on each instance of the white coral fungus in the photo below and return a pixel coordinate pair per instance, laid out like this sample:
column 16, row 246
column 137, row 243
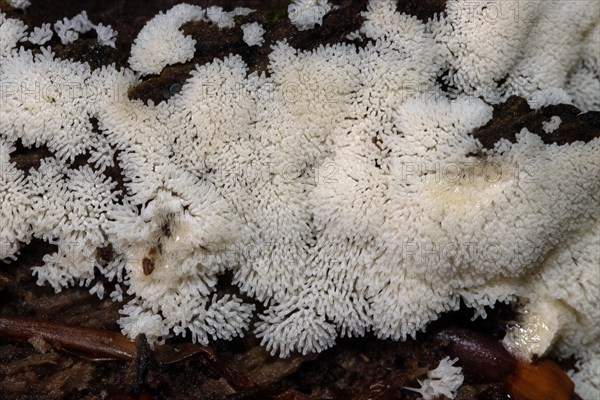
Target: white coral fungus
column 341, row 190
column 20, row 4
column 305, row 14
column 161, row 43
column 41, row 35
column 444, row 380
column 106, row 35
column 81, row 23
column 552, row 125
column 225, row 19
column 12, row 31
column 65, row 32
column 68, row 30
column 253, row 34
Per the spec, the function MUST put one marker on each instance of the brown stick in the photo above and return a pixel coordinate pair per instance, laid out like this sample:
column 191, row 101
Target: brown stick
column 93, row 343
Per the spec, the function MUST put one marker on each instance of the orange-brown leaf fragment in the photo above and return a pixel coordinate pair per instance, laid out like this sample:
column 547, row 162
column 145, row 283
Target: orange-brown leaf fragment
column 543, row 380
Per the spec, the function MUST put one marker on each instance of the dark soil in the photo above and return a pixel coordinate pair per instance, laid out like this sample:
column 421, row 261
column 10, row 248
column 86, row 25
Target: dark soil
column 511, row 117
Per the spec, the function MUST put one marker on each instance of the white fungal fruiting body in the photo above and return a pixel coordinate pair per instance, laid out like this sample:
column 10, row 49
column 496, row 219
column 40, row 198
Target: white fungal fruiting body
column 444, row 380
column 98, row 290
column 343, row 190
column 531, row 46
column 81, row 23
column 161, row 43
column 305, row 14
column 583, row 85
column 20, row 4
column 68, row 30
column 15, row 204
column 552, row 125
column 106, row 35
column 11, row 32
column 253, row 34
column 65, row 32
column 74, row 219
column 543, row 98
column 586, row 379
column 41, row 35
column 545, row 326
column 539, row 327
column 224, row 19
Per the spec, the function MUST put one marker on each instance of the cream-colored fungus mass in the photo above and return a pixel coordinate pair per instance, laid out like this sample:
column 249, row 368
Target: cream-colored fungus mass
column 343, row 189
